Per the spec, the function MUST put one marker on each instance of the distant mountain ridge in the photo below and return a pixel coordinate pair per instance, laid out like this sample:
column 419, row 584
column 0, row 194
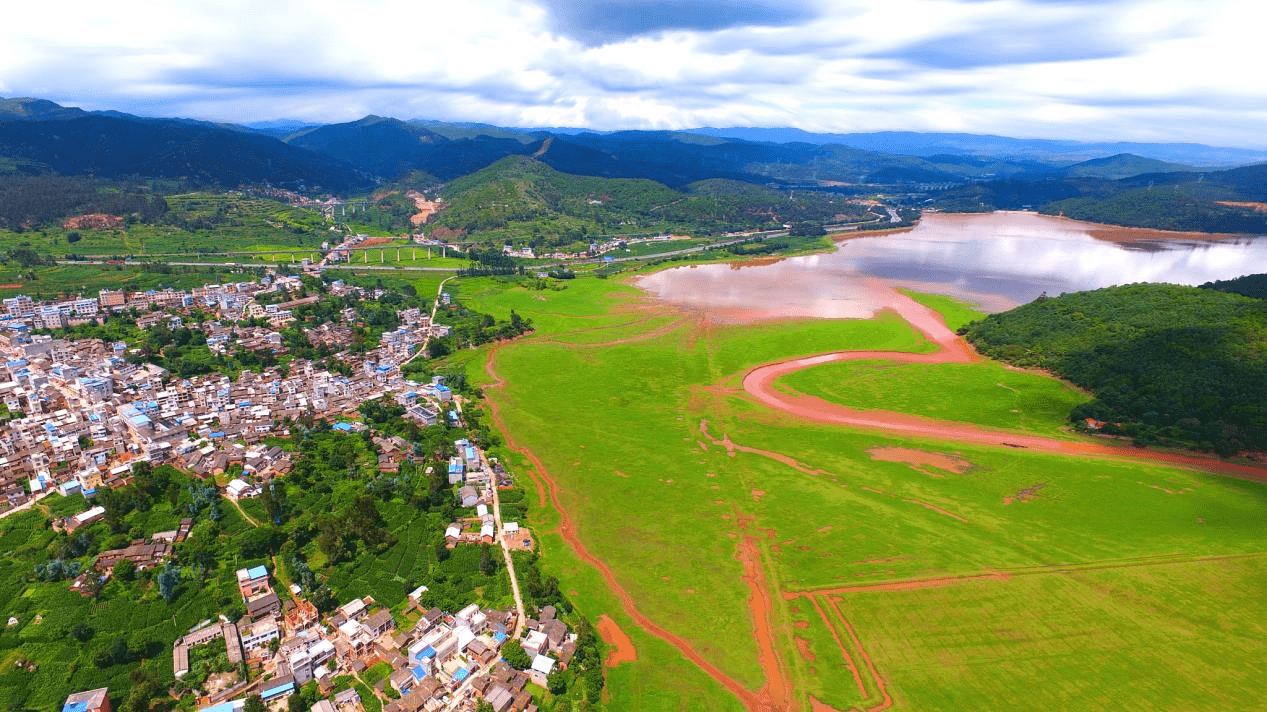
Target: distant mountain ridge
column 925, row 144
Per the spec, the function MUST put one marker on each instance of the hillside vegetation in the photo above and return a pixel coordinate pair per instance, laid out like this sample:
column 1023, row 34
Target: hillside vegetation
column 1251, row 285
column 519, row 198
column 1166, row 363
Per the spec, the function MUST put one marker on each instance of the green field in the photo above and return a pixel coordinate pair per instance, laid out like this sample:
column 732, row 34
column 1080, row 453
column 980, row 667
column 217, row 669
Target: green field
column 985, row 393
column 610, row 393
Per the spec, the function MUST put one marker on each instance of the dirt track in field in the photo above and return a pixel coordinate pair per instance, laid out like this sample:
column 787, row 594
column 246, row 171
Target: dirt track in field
column 759, row 383
column 778, row 694
column 547, row 487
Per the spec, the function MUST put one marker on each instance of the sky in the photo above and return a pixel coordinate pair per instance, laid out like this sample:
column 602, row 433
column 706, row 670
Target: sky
column 1141, row 70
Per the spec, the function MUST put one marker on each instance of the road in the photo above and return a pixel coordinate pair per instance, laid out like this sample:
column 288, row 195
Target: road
column 497, row 518
column 27, row 504
column 434, row 306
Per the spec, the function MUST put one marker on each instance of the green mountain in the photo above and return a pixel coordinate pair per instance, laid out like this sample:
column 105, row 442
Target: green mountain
column 40, row 134
column 385, row 147
column 522, row 198
column 1123, row 165
column 1166, row 363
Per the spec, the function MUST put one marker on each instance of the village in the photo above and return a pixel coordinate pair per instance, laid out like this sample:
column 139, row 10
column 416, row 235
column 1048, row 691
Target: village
column 83, row 417
column 88, row 414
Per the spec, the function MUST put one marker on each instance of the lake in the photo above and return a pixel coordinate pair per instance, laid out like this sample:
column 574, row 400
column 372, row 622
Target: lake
column 997, row 260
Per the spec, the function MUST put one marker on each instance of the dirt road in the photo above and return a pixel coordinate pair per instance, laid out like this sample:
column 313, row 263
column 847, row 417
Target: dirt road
column 759, row 383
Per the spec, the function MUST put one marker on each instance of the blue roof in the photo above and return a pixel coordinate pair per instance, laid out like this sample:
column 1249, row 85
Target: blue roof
column 257, row 572
column 427, row 652
column 275, row 691
column 343, row 427
column 79, row 706
column 461, row 674
column 418, row 672
column 222, row 707
column 441, row 388
column 499, row 637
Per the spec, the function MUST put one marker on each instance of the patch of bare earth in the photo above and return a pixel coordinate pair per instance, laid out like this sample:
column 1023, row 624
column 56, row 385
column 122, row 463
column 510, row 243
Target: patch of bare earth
column 1028, row 494
column 1256, row 207
column 620, row 646
column 425, row 206
column 94, row 221
column 920, row 459
column 803, row 646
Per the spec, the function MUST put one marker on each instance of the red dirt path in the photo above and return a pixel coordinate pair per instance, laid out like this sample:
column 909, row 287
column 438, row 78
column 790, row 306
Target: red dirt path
column 547, row 487
column 759, row 383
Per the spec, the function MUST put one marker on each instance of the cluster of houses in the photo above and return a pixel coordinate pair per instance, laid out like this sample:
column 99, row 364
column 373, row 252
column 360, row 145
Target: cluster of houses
column 441, row 661
column 80, row 414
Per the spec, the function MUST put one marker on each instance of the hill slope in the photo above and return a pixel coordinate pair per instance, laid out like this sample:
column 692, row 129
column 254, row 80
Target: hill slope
column 1169, row 363
column 520, row 197
column 118, row 146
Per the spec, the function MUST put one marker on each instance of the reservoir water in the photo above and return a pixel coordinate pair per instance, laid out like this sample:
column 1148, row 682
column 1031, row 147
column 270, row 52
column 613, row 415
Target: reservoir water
column 997, row 260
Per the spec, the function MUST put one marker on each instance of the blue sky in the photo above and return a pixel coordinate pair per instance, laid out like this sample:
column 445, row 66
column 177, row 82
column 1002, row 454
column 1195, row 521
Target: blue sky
column 1155, row 70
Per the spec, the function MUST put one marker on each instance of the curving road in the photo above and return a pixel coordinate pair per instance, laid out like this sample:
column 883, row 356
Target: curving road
column 759, row 383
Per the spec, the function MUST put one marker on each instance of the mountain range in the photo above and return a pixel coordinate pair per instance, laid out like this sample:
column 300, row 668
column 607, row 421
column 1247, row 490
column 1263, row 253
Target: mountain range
column 952, row 171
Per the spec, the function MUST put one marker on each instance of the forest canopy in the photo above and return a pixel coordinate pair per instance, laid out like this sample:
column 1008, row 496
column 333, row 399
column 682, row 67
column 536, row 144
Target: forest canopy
column 1166, row 363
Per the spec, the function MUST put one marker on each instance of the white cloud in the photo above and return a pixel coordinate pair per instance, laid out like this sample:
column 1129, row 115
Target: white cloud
column 1129, row 69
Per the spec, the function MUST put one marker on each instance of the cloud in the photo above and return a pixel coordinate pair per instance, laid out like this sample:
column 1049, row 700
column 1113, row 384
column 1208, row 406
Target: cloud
column 1125, row 69
column 596, row 22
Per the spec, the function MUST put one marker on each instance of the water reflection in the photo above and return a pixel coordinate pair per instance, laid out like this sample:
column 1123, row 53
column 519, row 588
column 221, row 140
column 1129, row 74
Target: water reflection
column 997, row 260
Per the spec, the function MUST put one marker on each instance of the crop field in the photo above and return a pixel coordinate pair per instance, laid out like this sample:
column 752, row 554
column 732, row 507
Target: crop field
column 46, row 614
column 756, row 558
column 62, row 279
column 194, row 222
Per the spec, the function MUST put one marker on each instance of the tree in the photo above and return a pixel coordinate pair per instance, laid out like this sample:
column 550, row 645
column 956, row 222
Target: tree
column 514, row 655
column 167, row 582
column 557, row 682
column 254, row 703
column 125, row 570
column 82, row 632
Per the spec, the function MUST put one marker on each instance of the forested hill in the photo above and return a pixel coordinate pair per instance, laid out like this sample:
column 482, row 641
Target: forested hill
column 520, row 198
column 1251, row 285
column 1166, row 363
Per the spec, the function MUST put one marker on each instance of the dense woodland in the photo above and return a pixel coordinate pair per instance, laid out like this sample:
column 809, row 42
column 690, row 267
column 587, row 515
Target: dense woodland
column 1166, row 363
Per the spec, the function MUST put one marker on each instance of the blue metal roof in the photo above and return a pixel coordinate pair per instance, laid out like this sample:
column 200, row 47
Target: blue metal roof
column 79, row 706
column 427, row 652
column 418, row 672
column 257, row 572
column 499, row 637
column 461, row 674
column 343, row 427
column 275, row 691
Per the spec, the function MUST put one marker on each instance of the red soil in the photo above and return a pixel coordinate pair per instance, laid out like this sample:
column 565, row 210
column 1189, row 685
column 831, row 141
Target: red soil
column 937, row 509
column 622, row 648
column 844, row 652
column 802, row 645
column 920, row 459
column 777, row 692
column 759, row 383
column 886, row 701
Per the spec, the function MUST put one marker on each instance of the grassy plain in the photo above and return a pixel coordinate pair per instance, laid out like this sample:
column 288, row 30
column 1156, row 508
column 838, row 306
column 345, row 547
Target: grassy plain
column 986, row 393
column 611, row 392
